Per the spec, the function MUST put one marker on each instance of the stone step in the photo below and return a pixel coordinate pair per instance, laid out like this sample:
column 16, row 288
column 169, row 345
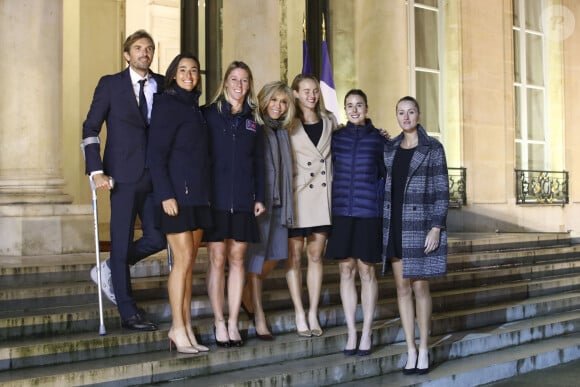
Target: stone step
column 301, row 359
column 77, row 316
column 290, row 360
column 17, row 271
column 484, row 291
column 554, row 333
column 22, row 271
column 26, row 352
column 563, row 374
column 524, row 281
column 486, row 368
column 31, row 296
column 481, row 242
column 150, row 279
column 506, row 258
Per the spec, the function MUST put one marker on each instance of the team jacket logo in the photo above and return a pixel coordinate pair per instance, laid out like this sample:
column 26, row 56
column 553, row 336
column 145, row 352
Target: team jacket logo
column 251, row 125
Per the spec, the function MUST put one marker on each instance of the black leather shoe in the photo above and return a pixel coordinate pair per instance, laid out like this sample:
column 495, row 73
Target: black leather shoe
column 138, row 322
column 236, row 343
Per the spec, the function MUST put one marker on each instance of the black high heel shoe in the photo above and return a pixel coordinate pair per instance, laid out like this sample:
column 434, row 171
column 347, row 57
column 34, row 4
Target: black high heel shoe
column 423, row 371
column 224, row 344
column 266, row 337
column 236, row 343
column 411, row 371
column 365, row 352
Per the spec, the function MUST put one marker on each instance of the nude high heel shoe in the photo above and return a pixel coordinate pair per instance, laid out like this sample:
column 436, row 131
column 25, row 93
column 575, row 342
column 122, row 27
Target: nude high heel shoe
column 188, row 349
column 193, row 341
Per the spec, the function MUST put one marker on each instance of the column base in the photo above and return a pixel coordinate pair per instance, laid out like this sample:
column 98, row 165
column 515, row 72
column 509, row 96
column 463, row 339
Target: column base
column 41, row 229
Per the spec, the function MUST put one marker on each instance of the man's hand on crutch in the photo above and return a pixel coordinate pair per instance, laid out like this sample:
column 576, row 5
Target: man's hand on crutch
column 102, row 182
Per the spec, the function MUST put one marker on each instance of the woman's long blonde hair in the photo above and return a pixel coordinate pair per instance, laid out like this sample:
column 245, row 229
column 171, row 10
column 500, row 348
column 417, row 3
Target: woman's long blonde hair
column 221, row 94
column 321, row 111
column 267, row 92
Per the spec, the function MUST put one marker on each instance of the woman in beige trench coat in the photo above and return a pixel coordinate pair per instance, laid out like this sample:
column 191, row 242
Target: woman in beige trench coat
column 310, row 140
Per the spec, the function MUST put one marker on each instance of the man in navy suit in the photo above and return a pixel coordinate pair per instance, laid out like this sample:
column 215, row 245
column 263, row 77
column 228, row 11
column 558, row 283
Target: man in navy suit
column 123, row 101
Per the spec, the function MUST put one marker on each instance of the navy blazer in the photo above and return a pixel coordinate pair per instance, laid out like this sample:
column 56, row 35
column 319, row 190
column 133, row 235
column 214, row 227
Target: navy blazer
column 114, row 102
column 237, row 156
column 178, row 153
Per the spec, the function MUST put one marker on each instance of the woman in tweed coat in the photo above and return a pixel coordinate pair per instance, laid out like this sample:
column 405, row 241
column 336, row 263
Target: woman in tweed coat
column 414, row 234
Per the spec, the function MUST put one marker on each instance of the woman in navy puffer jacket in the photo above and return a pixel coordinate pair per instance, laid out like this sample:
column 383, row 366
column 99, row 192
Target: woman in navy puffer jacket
column 357, row 198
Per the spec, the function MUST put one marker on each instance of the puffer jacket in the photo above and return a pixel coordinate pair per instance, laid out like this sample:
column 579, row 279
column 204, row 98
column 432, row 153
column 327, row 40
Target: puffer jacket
column 358, row 171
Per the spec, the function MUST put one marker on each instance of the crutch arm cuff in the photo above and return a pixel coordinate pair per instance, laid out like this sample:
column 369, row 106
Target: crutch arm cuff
column 93, row 173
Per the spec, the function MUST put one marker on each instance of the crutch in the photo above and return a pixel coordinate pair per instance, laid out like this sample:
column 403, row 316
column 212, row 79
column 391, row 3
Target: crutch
column 102, row 330
column 85, row 142
column 169, row 257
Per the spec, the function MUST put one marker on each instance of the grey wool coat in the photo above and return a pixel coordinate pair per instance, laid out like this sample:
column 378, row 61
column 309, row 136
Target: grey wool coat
column 279, row 215
column 425, row 204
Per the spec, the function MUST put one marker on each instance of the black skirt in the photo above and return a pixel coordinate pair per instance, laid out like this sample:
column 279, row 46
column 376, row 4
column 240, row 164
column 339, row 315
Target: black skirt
column 351, row 237
column 305, row 232
column 239, row 226
column 189, row 218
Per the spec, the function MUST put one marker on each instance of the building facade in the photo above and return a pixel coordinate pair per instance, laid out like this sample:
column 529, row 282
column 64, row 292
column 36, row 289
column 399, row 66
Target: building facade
column 497, row 82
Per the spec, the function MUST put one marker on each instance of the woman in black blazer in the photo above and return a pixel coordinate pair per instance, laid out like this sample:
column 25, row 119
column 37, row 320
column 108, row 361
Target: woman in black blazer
column 179, row 162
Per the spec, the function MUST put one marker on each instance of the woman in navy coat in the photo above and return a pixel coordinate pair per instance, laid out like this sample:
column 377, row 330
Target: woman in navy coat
column 357, row 211
column 237, row 156
column 414, row 234
column 179, row 162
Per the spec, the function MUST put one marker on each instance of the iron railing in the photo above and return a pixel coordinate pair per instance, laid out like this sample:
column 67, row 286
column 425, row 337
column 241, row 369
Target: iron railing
column 457, row 196
column 541, row 187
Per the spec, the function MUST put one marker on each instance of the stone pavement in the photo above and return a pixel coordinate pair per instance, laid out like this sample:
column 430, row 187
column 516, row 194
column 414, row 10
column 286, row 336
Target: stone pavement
column 564, row 375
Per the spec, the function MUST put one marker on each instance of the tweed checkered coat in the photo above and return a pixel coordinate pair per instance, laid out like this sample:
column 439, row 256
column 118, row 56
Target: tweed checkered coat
column 425, row 203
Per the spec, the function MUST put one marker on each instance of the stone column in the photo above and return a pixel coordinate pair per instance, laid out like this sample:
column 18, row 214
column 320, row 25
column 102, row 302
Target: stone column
column 252, row 47
column 35, row 214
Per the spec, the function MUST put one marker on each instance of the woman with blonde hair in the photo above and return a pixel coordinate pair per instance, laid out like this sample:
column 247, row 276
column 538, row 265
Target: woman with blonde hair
column 237, row 156
column 310, row 140
column 414, row 225
column 275, row 113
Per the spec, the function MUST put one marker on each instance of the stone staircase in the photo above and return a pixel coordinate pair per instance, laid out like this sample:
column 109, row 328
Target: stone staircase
column 510, row 304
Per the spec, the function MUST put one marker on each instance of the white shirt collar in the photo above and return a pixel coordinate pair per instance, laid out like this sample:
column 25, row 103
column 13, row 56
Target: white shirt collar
column 135, row 77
